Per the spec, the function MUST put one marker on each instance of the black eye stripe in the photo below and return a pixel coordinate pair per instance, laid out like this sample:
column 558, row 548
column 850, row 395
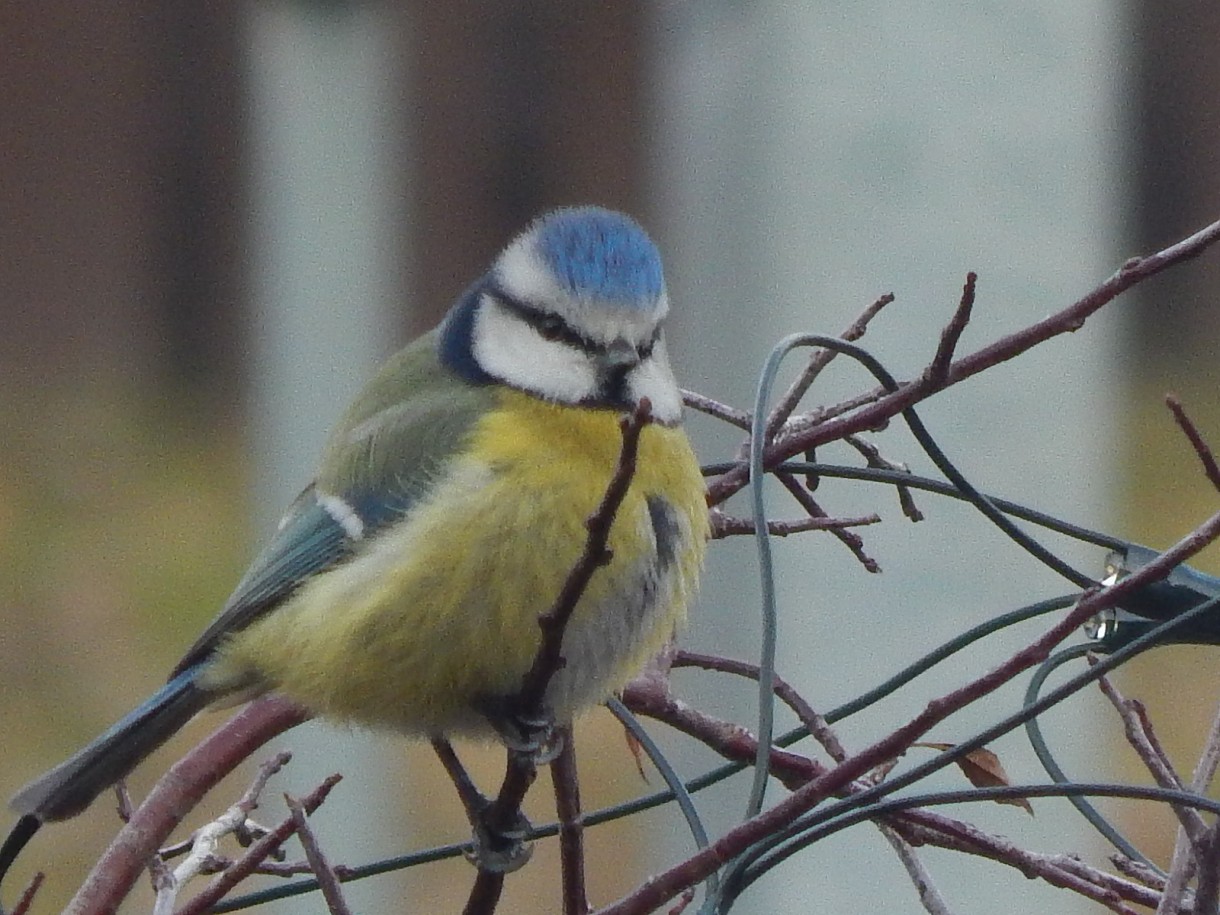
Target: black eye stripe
column 552, row 327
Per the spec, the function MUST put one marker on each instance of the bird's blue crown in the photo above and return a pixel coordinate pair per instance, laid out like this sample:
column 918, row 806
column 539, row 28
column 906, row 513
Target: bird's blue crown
column 600, row 254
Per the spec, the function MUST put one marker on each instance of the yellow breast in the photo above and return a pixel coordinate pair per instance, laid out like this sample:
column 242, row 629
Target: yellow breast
column 437, row 617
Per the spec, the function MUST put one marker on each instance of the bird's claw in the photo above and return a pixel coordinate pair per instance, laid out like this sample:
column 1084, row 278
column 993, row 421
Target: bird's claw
column 504, row 850
column 535, row 737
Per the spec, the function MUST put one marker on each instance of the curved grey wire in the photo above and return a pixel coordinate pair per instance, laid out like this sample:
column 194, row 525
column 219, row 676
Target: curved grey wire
column 673, row 781
column 1037, row 740
column 770, row 617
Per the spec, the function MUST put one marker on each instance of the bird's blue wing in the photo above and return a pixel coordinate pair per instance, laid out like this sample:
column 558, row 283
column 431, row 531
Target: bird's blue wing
column 310, row 540
column 384, row 455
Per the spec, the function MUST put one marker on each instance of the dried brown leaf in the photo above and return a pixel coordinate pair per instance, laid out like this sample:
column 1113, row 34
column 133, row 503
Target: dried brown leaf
column 637, row 752
column 983, row 769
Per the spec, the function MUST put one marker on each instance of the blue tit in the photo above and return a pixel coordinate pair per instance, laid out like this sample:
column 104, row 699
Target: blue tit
column 403, row 586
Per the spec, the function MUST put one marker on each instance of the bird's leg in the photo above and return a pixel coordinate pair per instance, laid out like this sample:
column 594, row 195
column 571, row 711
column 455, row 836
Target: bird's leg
column 532, row 732
column 499, row 846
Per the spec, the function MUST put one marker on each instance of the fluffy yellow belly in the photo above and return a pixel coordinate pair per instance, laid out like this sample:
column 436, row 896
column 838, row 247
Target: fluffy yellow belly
column 436, row 618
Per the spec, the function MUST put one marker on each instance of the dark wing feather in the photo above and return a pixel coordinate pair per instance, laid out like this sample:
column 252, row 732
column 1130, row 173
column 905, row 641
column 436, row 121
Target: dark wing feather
column 384, row 456
column 308, row 541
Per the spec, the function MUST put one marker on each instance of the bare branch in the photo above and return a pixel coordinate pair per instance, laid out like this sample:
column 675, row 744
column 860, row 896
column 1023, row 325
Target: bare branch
column 1202, row 449
column 176, row 794
column 571, row 828
column 929, row 896
column 817, row 364
column 596, row 554
column 501, row 818
column 1058, row 870
column 716, row 409
column 27, row 895
column 727, row 526
column 1143, row 740
column 874, row 458
column 813, row 722
column 328, row 880
column 938, row 369
column 649, row 697
column 810, row 504
column 890, row 404
column 256, row 853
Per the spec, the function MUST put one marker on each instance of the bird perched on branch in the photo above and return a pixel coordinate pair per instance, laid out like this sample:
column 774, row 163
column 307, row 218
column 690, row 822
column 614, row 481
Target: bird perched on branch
column 403, row 588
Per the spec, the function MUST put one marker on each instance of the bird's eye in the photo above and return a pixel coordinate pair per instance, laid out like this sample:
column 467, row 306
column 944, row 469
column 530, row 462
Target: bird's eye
column 551, row 327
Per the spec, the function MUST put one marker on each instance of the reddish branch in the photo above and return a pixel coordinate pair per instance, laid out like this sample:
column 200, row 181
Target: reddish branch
column 256, row 854
column 328, row 880
column 191, row 778
column 667, row 885
column 727, row 526
column 176, row 794
column 503, row 815
column 1142, row 738
column 938, row 368
column 817, row 364
column 549, row 658
column 27, row 895
column 571, row 828
column 889, row 404
column 1204, row 452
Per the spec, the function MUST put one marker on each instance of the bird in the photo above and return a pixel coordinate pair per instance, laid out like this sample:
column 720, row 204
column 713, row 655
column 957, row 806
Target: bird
column 403, row 586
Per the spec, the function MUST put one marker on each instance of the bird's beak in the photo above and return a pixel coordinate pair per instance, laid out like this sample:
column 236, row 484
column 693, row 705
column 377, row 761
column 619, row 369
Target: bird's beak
column 620, row 355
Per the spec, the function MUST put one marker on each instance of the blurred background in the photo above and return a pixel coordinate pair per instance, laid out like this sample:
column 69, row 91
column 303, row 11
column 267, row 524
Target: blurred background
column 217, row 218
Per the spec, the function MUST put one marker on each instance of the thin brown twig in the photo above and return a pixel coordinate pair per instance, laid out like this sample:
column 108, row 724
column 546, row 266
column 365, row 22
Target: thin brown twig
column 485, row 893
column 258, row 852
column 728, row 526
column 27, row 895
column 596, row 554
column 938, row 368
column 1138, row 870
column 1057, row 870
column 817, row 364
column 328, row 880
column 664, row 886
column 874, row 458
column 784, row 691
column 502, row 816
column 1191, row 431
column 571, row 828
column 648, row 697
column 717, row 410
column 473, row 800
column 159, row 872
column 885, row 404
column 1142, row 739
column 846, row 537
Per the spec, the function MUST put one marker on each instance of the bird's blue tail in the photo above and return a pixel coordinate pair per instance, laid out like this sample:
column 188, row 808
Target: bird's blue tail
column 71, row 786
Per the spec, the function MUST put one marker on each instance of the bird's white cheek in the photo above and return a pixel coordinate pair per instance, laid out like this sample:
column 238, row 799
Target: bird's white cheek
column 509, row 349
column 653, row 379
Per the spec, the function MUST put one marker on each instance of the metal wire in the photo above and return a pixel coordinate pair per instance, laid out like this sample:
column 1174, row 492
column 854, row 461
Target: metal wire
column 791, row 839
column 1033, row 731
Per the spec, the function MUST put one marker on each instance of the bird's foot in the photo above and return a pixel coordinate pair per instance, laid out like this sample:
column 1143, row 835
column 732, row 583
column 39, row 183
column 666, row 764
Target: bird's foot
column 537, row 737
column 501, row 850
